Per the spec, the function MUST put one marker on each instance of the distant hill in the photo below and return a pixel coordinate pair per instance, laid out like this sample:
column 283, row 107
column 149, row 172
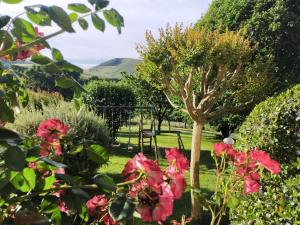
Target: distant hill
column 112, row 68
column 7, row 64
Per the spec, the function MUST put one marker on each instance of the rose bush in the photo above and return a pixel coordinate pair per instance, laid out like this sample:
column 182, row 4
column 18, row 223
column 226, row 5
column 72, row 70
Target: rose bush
column 37, row 186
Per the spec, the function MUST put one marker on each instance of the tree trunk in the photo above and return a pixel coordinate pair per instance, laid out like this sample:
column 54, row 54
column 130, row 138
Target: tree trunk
column 159, row 122
column 197, row 208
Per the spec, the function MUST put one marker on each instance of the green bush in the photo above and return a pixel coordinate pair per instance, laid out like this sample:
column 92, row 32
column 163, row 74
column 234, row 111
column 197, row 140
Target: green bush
column 274, row 126
column 278, row 203
column 102, row 96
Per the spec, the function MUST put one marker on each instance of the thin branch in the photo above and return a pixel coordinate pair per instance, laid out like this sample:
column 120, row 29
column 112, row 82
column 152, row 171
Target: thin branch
column 175, row 106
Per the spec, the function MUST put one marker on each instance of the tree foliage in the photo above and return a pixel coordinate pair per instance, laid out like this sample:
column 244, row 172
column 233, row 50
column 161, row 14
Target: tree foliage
column 106, row 99
column 273, row 24
column 148, row 95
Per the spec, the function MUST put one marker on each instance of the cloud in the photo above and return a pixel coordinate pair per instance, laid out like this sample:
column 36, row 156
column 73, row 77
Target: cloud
column 139, row 15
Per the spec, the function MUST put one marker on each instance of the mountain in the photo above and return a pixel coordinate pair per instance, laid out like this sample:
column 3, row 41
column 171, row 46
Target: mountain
column 112, row 68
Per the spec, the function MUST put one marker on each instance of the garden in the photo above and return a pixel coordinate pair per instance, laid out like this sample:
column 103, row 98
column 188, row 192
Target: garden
column 205, row 131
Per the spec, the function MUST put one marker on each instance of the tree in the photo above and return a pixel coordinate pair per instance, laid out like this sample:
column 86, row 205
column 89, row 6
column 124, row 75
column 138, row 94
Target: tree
column 274, row 25
column 147, row 94
column 199, row 67
column 112, row 100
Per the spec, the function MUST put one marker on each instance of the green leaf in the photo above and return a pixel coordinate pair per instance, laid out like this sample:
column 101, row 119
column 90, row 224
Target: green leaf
column 61, row 18
column 105, row 182
column 83, row 23
column 99, row 4
column 56, row 217
column 23, row 97
column 79, row 7
column 233, row 202
column 40, row 18
column 98, row 22
column 10, row 137
column 97, row 154
column 24, row 181
column 69, row 67
column 6, row 113
column 49, row 204
column 121, row 208
column 65, row 82
column 4, row 20
column 83, row 214
column 114, row 18
column 40, row 59
column 73, row 17
column 12, row 1
column 14, row 158
column 6, row 40
column 77, row 150
column 25, row 27
column 56, row 54
column 52, row 68
column 53, row 163
column 48, row 182
column 80, row 193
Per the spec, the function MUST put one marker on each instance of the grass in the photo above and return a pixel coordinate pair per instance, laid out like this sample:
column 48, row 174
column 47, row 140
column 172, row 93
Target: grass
column 120, row 155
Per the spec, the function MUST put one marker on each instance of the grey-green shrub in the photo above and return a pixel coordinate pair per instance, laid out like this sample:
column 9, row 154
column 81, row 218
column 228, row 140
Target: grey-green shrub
column 84, row 125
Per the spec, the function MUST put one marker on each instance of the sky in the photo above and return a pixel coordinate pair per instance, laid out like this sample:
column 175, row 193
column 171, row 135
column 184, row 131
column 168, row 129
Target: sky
column 89, row 48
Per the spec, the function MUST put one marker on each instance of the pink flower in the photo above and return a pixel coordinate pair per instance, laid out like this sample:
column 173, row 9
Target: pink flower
column 178, row 185
column 47, row 147
column 158, row 207
column 177, row 160
column 222, row 148
column 2, row 123
column 97, row 202
column 140, row 163
column 251, row 184
column 265, row 160
column 52, row 130
column 63, row 208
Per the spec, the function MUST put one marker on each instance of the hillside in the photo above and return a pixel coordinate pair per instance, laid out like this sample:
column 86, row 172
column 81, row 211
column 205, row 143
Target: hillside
column 112, row 69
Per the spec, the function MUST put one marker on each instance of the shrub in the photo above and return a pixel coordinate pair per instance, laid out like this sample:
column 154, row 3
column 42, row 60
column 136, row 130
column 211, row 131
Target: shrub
column 278, row 202
column 43, row 98
column 274, row 125
column 102, row 96
column 85, row 128
column 84, row 125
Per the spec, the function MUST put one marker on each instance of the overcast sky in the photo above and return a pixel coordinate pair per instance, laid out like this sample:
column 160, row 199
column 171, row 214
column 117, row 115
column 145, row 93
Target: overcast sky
column 88, row 48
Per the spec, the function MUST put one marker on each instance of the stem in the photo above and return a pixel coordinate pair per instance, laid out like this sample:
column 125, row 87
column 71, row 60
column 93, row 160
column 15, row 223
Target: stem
column 131, row 181
column 66, row 187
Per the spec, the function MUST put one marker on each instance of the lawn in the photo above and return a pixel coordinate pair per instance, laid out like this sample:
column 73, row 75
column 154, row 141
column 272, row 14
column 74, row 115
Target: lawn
column 120, row 155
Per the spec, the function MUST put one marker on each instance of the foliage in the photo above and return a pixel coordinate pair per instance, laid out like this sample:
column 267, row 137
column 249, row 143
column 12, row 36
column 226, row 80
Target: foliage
column 22, row 39
column 148, row 95
column 84, row 125
column 277, row 203
column 273, row 24
column 273, row 125
column 38, row 100
column 106, row 99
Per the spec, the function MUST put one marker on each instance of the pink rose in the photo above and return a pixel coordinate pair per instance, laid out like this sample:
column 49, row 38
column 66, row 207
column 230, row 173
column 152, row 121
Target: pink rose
column 177, row 159
column 52, row 130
